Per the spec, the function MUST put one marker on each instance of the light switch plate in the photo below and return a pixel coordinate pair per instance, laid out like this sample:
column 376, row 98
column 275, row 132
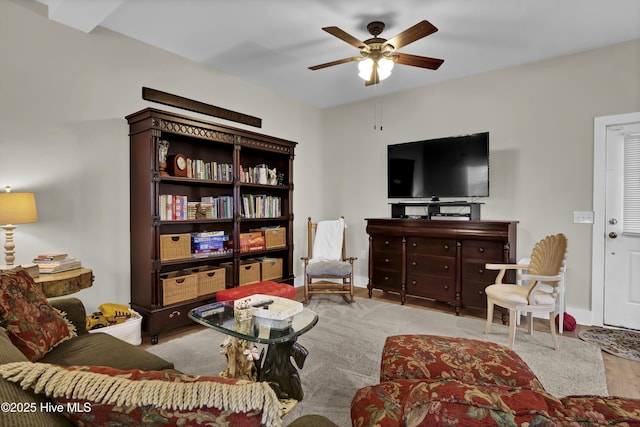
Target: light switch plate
column 583, row 217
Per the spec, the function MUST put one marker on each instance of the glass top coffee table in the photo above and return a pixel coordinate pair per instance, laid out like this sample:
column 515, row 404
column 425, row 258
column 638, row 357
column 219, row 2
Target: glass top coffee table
column 281, row 337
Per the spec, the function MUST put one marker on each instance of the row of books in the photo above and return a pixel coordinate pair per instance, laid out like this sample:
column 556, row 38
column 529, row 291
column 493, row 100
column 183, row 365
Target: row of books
column 199, row 169
column 260, row 174
column 179, row 208
column 56, row 263
column 261, row 206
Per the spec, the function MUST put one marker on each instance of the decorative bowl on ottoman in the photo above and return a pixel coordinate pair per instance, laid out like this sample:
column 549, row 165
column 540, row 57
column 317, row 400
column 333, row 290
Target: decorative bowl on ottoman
column 272, row 311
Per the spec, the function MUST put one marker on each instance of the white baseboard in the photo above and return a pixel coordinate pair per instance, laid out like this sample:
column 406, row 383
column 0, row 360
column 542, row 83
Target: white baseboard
column 582, row 316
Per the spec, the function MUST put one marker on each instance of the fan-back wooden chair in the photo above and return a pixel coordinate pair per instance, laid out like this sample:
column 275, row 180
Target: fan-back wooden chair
column 330, row 271
column 544, row 274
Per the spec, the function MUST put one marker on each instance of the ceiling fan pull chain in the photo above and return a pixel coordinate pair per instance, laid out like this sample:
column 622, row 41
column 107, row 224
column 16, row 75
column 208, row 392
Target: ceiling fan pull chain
column 374, row 114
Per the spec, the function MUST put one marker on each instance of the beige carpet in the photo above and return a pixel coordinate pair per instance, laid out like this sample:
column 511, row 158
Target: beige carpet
column 346, row 344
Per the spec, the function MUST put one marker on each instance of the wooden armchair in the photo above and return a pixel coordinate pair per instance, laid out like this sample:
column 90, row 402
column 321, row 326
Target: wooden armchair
column 545, row 272
column 327, row 269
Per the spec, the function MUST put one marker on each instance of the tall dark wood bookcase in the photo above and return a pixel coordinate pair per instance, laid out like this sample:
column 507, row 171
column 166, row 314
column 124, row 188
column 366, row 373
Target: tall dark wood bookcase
column 197, row 139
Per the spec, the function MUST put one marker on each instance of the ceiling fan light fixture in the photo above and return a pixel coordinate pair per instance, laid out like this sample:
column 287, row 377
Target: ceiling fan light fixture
column 365, row 68
column 384, row 66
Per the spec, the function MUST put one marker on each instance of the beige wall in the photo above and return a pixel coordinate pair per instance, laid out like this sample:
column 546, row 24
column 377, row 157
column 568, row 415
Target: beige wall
column 63, row 136
column 64, row 95
column 540, row 119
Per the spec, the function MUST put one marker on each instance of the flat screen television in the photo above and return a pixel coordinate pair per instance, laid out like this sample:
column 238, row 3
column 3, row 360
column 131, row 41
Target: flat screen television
column 456, row 166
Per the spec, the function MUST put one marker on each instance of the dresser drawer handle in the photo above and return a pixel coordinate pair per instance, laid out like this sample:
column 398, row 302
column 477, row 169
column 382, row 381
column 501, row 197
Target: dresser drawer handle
column 386, row 242
column 414, row 244
column 445, row 287
column 413, row 282
column 446, row 247
column 481, row 250
column 386, row 277
column 174, row 314
column 414, row 264
column 386, row 260
column 481, row 271
column 480, row 292
column 446, row 267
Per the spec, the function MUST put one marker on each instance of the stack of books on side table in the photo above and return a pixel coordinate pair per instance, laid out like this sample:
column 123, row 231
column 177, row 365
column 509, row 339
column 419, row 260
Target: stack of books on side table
column 56, row 263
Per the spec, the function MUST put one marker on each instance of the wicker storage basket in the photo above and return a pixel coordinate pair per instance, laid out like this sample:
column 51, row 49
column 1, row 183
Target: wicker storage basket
column 178, row 287
column 275, row 237
column 271, row 268
column 175, row 246
column 209, row 279
column 249, row 272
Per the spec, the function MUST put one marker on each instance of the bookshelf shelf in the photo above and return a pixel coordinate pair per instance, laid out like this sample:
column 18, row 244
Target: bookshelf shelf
column 194, row 181
column 203, row 143
column 195, row 221
column 200, row 259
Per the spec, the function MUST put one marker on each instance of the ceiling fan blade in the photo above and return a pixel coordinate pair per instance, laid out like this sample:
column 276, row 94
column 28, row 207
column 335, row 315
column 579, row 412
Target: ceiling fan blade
column 337, row 62
column 418, row 61
column 346, row 37
column 418, row 31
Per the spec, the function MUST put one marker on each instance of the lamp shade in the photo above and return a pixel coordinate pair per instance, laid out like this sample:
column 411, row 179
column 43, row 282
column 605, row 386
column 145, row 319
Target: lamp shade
column 17, row 208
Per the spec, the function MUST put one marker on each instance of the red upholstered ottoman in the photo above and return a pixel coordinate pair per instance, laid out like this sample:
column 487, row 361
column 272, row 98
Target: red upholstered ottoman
column 266, row 288
column 433, row 357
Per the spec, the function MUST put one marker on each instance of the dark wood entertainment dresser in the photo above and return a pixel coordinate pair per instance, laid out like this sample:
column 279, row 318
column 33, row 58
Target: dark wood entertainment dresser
column 443, row 260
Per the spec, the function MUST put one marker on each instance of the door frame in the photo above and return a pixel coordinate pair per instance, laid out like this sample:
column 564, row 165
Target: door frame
column 600, row 125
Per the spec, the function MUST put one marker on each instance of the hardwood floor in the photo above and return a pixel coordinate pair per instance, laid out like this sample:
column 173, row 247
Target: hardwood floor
column 623, row 375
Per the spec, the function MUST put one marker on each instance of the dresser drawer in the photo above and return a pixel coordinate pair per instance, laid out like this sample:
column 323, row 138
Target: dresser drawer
column 482, row 250
column 434, row 287
column 473, row 294
column 431, row 265
column 476, row 271
column 426, row 246
column 387, row 244
column 387, row 260
column 386, row 279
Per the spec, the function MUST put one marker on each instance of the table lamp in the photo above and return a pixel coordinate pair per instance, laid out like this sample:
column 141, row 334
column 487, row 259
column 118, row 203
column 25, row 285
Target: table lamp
column 15, row 208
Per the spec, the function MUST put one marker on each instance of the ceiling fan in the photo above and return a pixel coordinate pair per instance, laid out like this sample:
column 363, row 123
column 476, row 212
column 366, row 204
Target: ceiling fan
column 377, row 55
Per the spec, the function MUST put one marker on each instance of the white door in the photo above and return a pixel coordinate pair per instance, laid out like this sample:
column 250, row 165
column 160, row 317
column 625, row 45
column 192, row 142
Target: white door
column 622, row 227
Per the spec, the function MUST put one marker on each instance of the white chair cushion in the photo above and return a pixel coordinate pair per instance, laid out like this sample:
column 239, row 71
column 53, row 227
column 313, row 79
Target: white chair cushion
column 517, row 295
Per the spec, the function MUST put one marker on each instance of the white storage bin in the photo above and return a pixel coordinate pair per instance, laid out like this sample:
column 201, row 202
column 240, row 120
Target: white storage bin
column 129, row 331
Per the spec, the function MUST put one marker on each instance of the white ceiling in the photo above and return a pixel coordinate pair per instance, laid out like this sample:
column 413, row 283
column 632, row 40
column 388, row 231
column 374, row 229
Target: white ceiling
column 271, row 43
